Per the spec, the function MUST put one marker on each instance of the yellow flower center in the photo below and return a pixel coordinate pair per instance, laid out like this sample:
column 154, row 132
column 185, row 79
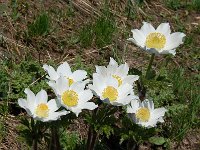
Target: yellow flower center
column 118, row 79
column 155, row 40
column 110, row 93
column 42, row 110
column 71, row 81
column 143, row 114
column 70, row 98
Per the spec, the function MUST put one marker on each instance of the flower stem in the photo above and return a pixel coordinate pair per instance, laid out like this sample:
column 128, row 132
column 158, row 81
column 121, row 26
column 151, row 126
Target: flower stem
column 54, row 141
column 150, row 64
column 34, row 132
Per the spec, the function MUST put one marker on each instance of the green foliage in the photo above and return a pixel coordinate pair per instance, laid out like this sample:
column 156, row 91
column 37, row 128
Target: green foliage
column 40, row 26
column 101, row 31
column 173, row 4
column 196, row 4
column 86, row 35
column 80, row 65
column 183, row 112
column 157, row 140
column 102, row 120
column 32, row 130
column 2, row 129
column 130, row 10
column 23, row 75
column 4, row 76
column 16, row 77
column 15, row 13
column 177, row 4
column 134, row 133
column 69, row 140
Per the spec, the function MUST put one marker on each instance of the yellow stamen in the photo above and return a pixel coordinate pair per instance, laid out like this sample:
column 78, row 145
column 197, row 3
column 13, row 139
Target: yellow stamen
column 143, row 114
column 42, row 110
column 71, row 81
column 70, row 98
column 155, row 40
column 110, row 93
column 118, row 79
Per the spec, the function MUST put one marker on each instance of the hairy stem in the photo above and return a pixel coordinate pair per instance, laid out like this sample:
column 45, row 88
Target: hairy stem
column 54, row 141
column 150, row 64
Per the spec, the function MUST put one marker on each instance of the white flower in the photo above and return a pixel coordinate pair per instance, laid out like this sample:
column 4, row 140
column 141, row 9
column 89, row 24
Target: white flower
column 65, row 71
column 74, row 97
column 38, row 107
column 118, row 72
column 108, row 91
column 158, row 41
column 144, row 114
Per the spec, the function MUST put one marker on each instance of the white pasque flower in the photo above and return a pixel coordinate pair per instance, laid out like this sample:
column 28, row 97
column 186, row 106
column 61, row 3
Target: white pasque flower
column 74, row 97
column 108, row 91
column 39, row 108
column 144, row 114
column 65, row 71
column 158, row 41
column 118, row 72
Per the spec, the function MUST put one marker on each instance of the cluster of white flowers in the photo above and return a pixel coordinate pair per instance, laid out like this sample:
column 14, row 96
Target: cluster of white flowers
column 111, row 84
column 69, row 88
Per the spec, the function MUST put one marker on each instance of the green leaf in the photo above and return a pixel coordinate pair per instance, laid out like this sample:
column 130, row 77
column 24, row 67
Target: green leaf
column 157, row 140
column 135, row 71
column 151, row 74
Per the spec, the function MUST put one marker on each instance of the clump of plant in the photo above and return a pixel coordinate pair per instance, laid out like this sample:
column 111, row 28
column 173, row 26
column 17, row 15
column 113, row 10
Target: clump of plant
column 100, row 32
column 40, row 26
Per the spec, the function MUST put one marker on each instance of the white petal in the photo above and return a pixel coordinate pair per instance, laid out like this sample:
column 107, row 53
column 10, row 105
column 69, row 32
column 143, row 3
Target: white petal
column 135, row 105
column 53, row 106
column 56, row 115
column 41, row 97
column 79, row 75
column 139, row 37
column 122, row 70
column 111, row 69
column 133, row 41
column 124, row 90
column 77, row 87
column 76, row 110
column 160, row 120
column 113, row 62
column 51, row 72
column 174, row 40
column 151, row 104
column 173, row 52
column 98, row 82
column 164, row 28
column 124, row 101
column 129, row 109
column 101, row 70
column 130, row 79
column 30, row 97
column 110, row 81
column 64, row 70
column 153, row 51
column 53, row 85
column 159, row 112
column 95, row 91
column 147, row 28
column 88, row 105
column 62, row 85
column 85, row 96
column 22, row 103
